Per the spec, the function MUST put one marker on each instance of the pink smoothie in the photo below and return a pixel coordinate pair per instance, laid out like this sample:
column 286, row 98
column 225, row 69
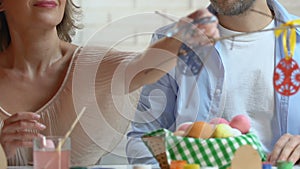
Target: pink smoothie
column 51, row 159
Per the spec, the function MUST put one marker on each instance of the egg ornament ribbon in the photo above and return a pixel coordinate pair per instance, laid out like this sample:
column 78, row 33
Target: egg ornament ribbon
column 286, row 77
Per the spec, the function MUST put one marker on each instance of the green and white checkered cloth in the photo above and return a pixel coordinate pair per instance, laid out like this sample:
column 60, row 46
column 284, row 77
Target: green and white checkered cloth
column 206, row 152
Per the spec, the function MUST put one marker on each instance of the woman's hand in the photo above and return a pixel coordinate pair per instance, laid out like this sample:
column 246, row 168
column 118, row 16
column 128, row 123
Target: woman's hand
column 200, row 27
column 161, row 57
column 287, row 148
column 17, row 132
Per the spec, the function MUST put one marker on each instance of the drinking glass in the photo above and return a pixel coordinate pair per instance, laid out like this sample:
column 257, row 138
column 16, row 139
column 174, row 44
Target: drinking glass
column 51, row 152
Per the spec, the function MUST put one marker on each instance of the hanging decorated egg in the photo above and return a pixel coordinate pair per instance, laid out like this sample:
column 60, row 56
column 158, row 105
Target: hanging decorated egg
column 286, row 78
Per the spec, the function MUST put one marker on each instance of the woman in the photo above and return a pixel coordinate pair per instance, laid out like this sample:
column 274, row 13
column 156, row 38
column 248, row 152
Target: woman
column 37, row 68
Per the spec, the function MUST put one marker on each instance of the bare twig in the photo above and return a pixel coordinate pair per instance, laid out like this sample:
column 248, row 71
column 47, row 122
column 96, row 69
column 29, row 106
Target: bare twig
column 165, row 16
column 259, row 31
column 267, row 15
column 244, row 33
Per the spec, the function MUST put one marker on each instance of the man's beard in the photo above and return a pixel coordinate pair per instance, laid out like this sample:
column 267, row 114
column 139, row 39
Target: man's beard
column 223, row 7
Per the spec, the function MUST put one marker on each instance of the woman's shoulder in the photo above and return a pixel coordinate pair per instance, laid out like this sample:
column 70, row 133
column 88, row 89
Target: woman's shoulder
column 96, row 53
column 94, row 50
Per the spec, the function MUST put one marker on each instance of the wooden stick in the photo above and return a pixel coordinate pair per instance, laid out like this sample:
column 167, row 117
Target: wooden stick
column 71, row 129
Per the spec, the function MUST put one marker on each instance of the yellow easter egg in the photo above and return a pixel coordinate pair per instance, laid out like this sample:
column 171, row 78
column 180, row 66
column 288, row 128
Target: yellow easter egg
column 222, row 131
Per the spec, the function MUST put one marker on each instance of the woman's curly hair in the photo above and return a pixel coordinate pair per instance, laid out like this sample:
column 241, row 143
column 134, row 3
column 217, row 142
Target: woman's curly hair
column 65, row 30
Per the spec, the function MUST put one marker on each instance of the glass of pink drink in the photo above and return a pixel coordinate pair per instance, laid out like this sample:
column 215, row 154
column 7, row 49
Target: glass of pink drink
column 48, row 155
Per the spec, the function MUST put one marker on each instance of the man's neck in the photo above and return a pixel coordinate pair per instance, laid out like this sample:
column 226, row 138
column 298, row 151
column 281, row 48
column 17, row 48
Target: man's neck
column 250, row 20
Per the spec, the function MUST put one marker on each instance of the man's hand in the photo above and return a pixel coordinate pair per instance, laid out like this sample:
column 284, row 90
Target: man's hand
column 287, row 148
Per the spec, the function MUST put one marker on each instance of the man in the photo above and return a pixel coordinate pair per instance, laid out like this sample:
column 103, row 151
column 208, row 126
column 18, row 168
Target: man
column 237, row 78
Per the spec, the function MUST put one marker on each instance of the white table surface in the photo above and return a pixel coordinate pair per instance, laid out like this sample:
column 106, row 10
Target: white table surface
column 117, row 167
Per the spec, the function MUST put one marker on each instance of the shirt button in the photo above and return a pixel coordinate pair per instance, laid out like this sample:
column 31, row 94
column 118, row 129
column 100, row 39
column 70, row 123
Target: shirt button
column 218, row 91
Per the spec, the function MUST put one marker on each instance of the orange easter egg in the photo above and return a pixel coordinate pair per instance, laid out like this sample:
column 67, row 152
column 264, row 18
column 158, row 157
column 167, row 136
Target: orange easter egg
column 178, row 164
column 201, row 129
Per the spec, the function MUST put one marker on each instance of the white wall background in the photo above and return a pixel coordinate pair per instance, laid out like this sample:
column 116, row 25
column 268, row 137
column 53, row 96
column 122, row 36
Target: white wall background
column 99, row 13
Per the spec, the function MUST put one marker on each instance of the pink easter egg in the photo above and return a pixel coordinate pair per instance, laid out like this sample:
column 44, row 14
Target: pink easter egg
column 184, row 126
column 241, row 122
column 219, row 121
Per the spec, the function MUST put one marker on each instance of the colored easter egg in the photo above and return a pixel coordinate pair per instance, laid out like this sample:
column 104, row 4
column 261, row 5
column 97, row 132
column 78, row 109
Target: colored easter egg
column 201, row 129
column 184, row 126
column 236, row 132
column 222, row 131
column 219, row 121
column 241, row 122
